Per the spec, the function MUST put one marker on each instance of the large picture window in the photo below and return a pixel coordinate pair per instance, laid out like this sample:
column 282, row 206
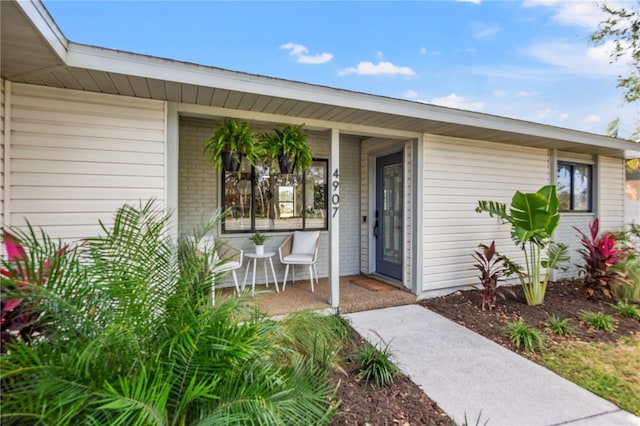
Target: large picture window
column 262, row 199
column 574, row 187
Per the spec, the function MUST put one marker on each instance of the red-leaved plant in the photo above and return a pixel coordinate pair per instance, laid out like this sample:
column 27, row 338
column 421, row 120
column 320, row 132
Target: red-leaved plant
column 600, row 254
column 492, row 268
column 19, row 318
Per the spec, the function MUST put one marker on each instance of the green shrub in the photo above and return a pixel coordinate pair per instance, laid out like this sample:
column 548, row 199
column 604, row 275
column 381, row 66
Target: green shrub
column 631, row 290
column 626, row 309
column 559, row 327
column 376, row 364
column 315, row 336
column 131, row 338
column 598, row 320
column 522, row 335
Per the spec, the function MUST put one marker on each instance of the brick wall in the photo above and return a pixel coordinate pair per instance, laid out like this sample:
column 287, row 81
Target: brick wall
column 198, row 198
column 197, row 180
column 349, row 206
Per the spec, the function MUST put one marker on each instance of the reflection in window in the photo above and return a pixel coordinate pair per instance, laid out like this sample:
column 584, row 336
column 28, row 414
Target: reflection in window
column 261, row 198
column 574, row 187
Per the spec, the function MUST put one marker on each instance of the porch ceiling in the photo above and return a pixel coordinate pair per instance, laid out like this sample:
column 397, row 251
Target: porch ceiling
column 34, row 51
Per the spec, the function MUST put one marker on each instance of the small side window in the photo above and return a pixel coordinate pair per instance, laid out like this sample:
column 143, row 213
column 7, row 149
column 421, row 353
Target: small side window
column 574, row 187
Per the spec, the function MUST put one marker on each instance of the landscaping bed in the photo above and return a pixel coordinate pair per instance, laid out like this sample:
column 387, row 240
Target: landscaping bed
column 562, row 299
column 404, row 403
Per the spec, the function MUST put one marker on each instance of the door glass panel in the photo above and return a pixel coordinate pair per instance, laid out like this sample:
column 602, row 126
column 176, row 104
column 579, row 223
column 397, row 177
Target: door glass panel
column 392, row 213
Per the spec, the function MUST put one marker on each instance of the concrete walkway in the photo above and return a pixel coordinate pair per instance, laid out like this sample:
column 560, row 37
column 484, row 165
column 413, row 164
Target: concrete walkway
column 469, row 375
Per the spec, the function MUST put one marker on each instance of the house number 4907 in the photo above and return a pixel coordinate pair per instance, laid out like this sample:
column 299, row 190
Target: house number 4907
column 335, row 197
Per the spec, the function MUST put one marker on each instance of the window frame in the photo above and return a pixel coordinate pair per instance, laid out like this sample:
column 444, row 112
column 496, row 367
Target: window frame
column 252, row 178
column 572, row 166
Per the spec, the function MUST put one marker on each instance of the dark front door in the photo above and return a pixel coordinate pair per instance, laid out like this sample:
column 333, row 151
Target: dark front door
column 388, row 226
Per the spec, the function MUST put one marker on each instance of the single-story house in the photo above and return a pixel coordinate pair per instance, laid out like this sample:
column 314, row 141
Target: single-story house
column 393, row 187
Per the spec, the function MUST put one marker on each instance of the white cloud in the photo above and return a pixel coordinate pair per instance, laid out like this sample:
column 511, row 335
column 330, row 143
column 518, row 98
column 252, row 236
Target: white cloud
column 533, row 3
column 592, row 118
column 458, row 102
column 583, row 14
column 382, row 68
column 300, row 52
column 540, row 115
column 564, row 116
column 525, row 94
column 320, row 58
column 423, row 50
column 578, row 13
column 470, row 1
column 485, row 30
column 379, row 54
column 578, row 58
column 410, row 94
column 500, row 93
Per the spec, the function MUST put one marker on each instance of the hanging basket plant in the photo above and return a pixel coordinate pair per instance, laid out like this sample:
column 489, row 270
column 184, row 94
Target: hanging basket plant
column 231, row 142
column 289, row 146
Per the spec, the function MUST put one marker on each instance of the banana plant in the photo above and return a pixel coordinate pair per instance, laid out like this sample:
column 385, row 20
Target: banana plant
column 533, row 218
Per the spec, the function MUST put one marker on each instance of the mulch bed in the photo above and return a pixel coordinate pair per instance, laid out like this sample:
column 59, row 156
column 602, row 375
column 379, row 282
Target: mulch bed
column 401, row 404
column 562, row 299
column 404, row 403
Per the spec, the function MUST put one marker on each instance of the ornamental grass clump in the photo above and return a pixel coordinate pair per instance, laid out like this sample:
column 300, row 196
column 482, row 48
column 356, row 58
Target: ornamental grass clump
column 598, row 320
column 559, row 327
column 376, row 364
column 627, row 309
column 130, row 337
column 522, row 335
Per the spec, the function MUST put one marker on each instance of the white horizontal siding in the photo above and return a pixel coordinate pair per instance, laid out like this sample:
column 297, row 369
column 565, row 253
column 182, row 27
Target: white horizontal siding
column 457, row 174
column 76, row 157
column 611, row 193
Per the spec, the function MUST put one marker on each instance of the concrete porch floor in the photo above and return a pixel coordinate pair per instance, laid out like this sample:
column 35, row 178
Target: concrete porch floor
column 298, row 297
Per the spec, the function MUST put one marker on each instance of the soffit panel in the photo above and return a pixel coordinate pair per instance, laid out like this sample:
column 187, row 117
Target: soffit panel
column 24, row 50
column 205, row 95
column 188, row 93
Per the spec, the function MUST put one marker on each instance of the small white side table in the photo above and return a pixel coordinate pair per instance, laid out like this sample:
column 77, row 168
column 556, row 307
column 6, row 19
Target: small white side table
column 265, row 256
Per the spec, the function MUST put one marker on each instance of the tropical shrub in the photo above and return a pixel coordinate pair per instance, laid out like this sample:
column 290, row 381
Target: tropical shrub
column 630, row 266
column 600, row 255
column 598, row 320
column 523, row 335
column 533, row 218
column 20, row 319
column 376, row 364
column 131, row 338
column 492, row 268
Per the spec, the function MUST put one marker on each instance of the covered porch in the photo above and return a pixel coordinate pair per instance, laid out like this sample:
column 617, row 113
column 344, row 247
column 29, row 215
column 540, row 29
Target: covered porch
column 353, row 297
column 351, row 234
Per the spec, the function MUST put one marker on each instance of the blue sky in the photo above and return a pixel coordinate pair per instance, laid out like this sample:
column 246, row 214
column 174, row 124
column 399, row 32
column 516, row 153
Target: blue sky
column 530, row 59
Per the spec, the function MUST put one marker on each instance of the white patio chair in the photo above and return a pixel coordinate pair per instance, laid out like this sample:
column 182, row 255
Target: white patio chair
column 301, row 248
column 225, row 258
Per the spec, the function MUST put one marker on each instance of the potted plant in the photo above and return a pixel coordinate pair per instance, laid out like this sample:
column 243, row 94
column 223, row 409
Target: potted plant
column 231, row 141
column 289, row 146
column 259, row 239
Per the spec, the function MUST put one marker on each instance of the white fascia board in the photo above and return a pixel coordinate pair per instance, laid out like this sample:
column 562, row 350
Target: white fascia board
column 38, row 15
column 89, row 57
